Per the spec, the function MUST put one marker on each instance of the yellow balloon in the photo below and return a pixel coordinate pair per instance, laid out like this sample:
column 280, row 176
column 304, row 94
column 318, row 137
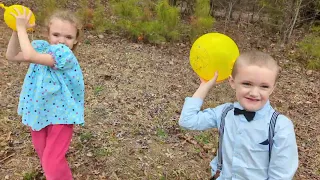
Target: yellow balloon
column 10, row 20
column 213, row 52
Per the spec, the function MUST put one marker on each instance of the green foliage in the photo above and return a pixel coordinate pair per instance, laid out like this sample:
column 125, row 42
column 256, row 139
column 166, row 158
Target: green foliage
column 30, row 176
column 100, row 23
column 317, row 4
column 98, row 89
column 202, row 8
column 87, row 41
column 203, row 138
column 274, row 9
column 102, row 152
column 83, row 12
column 129, row 15
column 309, row 48
column 153, row 31
column 202, row 22
column 153, row 21
column 277, row 12
column 85, row 137
column 161, row 133
column 167, row 15
column 128, row 9
column 47, row 7
column 147, row 21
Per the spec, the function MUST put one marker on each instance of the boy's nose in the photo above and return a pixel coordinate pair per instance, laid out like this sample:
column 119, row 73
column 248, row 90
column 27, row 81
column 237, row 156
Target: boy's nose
column 254, row 92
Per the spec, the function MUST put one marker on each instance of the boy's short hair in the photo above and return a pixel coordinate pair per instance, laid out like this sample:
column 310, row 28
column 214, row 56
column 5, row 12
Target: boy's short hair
column 257, row 58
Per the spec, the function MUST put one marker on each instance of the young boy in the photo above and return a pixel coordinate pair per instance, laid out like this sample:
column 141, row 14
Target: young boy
column 245, row 126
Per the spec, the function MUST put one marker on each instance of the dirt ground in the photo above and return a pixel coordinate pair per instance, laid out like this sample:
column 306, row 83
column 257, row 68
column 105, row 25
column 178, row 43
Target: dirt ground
column 134, row 95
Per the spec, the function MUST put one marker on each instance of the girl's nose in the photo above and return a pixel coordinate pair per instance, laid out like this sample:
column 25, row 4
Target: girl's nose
column 61, row 40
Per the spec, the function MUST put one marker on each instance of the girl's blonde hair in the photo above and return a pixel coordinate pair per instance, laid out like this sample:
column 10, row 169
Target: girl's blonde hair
column 69, row 16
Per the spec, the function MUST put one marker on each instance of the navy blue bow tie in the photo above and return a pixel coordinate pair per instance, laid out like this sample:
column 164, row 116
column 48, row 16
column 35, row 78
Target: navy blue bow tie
column 247, row 114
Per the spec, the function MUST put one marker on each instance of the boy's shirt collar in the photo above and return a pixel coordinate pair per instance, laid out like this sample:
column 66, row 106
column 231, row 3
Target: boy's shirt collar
column 260, row 113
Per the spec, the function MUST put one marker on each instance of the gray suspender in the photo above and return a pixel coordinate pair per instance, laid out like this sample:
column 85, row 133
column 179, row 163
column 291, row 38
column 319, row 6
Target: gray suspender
column 272, row 126
column 221, row 131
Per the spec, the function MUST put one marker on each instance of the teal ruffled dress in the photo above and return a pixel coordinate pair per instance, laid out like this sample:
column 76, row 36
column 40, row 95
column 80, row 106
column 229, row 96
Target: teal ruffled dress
column 52, row 95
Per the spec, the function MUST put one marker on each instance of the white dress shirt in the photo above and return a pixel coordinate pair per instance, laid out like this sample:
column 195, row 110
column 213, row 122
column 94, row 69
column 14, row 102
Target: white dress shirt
column 244, row 158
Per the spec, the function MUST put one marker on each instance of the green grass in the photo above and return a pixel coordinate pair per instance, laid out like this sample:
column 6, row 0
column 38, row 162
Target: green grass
column 162, row 133
column 203, row 137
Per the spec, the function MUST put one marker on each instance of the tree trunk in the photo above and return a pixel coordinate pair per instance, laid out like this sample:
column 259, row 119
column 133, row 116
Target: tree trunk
column 173, row 2
column 295, row 18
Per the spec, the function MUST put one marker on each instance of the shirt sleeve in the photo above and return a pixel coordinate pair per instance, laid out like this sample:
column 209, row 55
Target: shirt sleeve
column 194, row 119
column 63, row 56
column 284, row 155
column 40, row 45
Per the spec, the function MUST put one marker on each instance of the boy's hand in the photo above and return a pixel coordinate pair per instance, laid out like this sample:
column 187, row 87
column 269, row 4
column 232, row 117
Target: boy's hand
column 209, row 84
column 205, row 86
column 22, row 20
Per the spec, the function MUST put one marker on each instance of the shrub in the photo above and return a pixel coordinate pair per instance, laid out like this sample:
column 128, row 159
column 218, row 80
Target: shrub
column 201, row 22
column 309, row 48
column 147, row 21
column 45, row 8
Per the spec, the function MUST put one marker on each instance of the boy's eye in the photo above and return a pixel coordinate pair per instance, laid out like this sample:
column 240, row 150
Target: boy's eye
column 69, row 37
column 246, row 84
column 265, row 87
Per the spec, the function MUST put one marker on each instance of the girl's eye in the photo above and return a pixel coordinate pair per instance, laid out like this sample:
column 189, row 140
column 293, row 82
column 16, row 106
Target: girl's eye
column 246, row 84
column 265, row 87
column 69, row 37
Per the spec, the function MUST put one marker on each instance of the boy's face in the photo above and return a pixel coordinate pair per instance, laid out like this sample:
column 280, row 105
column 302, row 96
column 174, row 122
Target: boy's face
column 253, row 86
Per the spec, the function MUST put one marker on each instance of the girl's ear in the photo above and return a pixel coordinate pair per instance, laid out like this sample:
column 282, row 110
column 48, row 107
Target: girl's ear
column 45, row 33
column 231, row 82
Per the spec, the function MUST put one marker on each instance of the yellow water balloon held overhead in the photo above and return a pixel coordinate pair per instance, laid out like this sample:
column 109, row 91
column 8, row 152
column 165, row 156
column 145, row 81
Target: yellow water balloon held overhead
column 213, row 52
column 10, row 20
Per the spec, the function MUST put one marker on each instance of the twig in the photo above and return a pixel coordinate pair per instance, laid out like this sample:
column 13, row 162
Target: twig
column 2, row 160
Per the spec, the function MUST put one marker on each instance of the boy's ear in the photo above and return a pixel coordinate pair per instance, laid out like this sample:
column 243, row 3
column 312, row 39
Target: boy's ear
column 274, row 86
column 231, row 82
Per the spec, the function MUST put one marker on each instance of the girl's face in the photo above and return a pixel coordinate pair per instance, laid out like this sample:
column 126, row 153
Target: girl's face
column 62, row 32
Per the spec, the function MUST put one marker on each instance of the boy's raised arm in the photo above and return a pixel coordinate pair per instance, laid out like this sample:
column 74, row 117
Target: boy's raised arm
column 191, row 116
column 194, row 119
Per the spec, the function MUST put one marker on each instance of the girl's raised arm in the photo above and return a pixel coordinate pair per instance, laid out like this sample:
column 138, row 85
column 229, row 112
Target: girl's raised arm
column 28, row 53
column 13, row 50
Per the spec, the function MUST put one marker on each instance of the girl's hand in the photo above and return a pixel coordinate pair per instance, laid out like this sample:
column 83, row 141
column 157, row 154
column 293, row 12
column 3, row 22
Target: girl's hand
column 22, row 20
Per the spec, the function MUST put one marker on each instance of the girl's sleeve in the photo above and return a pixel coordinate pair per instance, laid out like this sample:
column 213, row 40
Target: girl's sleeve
column 63, row 56
column 40, row 45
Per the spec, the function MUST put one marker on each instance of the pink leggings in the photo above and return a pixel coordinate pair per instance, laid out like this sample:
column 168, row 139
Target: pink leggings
column 51, row 144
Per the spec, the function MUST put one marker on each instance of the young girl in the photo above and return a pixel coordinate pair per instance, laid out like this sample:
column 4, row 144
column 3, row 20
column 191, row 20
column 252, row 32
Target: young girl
column 52, row 97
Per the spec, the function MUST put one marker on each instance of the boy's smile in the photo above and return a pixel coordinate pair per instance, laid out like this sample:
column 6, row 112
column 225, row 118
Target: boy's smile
column 253, row 85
